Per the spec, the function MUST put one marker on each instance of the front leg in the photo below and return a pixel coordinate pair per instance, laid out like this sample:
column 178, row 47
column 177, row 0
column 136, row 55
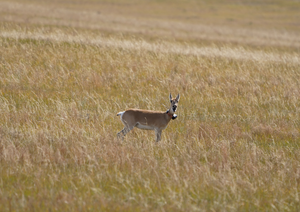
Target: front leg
column 158, row 135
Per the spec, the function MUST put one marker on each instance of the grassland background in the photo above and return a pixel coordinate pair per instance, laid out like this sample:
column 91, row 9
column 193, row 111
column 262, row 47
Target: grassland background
column 67, row 68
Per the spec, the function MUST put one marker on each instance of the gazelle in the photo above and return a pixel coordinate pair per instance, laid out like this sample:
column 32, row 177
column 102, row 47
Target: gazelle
column 148, row 119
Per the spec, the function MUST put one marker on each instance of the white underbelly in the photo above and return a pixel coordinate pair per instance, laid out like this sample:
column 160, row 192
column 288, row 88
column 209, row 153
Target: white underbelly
column 144, row 127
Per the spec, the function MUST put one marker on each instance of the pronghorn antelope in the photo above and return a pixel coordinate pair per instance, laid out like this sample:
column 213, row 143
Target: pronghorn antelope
column 148, row 119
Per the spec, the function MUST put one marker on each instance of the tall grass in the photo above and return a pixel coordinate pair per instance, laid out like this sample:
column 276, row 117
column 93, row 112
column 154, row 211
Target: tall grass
column 233, row 147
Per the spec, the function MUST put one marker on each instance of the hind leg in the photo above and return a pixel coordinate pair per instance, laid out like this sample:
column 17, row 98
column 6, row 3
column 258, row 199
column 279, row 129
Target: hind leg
column 123, row 132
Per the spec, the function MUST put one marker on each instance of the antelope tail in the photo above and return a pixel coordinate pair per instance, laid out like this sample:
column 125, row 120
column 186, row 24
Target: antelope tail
column 120, row 113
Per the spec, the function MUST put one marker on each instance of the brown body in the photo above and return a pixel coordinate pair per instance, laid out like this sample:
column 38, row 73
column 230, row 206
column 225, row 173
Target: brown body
column 147, row 119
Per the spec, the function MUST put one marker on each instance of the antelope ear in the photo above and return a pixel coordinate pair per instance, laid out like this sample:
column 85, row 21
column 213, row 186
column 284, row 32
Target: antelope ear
column 170, row 97
column 177, row 98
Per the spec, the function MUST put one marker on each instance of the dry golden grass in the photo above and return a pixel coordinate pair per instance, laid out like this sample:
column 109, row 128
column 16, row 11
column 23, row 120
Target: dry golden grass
column 233, row 147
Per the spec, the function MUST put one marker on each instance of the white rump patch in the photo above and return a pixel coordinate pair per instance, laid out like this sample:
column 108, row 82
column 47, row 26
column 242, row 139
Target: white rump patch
column 121, row 114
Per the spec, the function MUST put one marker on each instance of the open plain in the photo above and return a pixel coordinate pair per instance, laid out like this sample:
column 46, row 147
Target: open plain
column 67, row 68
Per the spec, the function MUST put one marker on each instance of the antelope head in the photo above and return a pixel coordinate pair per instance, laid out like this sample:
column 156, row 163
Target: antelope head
column 174, row 104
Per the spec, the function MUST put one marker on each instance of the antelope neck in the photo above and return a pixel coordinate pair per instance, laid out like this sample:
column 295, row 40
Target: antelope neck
column 169, row 114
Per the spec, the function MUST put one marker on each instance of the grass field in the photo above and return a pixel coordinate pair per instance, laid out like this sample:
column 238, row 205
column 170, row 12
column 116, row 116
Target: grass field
column 67, row 68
